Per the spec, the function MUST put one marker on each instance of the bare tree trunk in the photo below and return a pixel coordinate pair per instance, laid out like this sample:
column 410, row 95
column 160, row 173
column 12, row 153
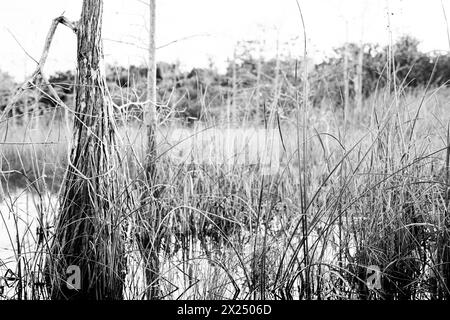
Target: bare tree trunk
column 359, row 78
column 26, row 101
column 258, row 82
column 88, row 234
column 346, row 86
column 150, row 114
column 148, row 238
column 234, row 89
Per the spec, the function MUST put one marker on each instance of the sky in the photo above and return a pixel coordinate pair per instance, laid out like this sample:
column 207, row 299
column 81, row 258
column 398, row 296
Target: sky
column 208, row 30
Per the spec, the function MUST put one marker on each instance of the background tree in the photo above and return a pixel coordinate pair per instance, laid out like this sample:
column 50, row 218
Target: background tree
column 150, row 218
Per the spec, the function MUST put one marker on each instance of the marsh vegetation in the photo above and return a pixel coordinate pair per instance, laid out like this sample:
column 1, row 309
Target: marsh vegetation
column 357, row 174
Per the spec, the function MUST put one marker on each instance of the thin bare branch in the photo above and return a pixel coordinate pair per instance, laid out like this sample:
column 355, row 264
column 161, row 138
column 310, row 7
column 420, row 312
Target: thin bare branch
column 41, row 63
column 20, row 45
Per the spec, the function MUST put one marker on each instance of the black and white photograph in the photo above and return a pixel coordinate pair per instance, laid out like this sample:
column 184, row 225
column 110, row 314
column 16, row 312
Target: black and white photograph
column 238, row 151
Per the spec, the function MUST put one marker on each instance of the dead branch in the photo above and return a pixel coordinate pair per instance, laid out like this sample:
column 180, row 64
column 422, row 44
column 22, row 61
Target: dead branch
column 40, row 66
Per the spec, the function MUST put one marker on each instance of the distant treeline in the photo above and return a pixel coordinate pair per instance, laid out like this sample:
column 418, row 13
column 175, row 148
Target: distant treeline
column 252, row 84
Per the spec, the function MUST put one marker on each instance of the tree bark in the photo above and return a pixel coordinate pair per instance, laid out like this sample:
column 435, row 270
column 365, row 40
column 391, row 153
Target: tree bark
column 149, row 240
column 88, row 232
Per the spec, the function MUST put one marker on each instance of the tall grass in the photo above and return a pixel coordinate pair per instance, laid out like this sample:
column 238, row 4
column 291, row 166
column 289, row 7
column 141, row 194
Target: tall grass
column 337, row 204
